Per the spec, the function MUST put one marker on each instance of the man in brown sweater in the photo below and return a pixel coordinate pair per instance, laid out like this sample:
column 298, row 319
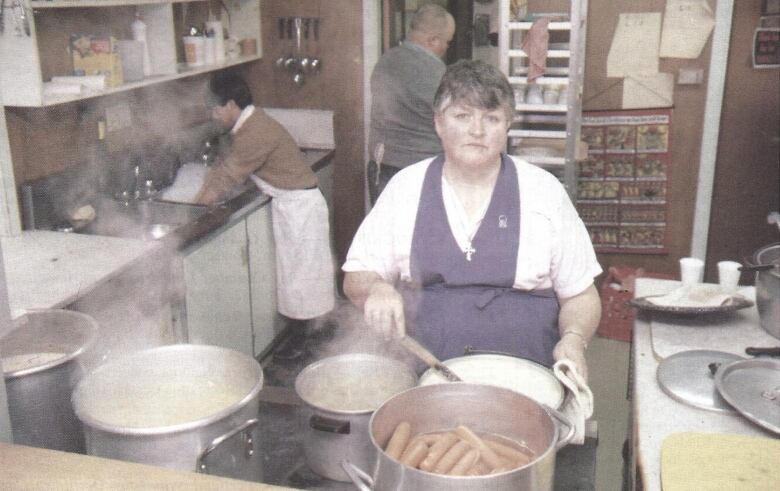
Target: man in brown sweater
column 259, row 145
column 263, row 151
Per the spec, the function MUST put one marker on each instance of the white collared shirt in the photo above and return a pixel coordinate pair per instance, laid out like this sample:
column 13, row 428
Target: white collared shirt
column 245, row 113
column 555, row 250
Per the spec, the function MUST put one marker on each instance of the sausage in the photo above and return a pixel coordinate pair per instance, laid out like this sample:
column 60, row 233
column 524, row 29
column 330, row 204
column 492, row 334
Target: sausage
column 414, row 453
column 512, row 454
column 479, row 468
column 449, row 459
column 429, row 438
column 465, row 463
column 490, row 457
column 438, row 449
column 398, row 440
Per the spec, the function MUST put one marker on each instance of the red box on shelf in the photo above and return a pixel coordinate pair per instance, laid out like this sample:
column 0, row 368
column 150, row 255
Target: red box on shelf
column 617, row 318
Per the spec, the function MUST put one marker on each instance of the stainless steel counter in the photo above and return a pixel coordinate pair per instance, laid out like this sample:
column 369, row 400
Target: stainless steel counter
column 248, row 199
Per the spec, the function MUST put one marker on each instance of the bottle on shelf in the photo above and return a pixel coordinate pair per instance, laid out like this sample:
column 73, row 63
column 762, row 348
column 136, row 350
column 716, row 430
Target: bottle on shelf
column 139, row 34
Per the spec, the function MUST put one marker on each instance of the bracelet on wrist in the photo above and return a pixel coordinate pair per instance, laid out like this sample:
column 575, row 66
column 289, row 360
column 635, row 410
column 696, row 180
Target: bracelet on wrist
column 582, row 338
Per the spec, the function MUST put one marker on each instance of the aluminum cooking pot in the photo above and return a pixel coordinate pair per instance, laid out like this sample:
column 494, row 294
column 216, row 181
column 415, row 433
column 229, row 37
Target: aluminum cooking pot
column 42, row 360
column 523, row 376
column 341, row 392
column 768, row 288
column 484, row 409
column 184, row 406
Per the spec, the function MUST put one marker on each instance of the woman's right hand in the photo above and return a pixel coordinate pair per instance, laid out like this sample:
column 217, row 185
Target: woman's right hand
column 384, row 310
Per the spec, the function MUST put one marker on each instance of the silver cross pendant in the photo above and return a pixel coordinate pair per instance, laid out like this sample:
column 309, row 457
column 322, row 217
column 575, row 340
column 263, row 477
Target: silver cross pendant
column 469, row 252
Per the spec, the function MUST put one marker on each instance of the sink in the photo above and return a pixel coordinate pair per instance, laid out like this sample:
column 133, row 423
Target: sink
column 141, row 219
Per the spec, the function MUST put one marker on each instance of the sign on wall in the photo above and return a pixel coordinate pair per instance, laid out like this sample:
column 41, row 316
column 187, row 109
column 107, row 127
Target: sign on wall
column 622, row 185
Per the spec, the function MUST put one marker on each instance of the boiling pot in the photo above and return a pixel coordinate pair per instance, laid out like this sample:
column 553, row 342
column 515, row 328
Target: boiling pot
column 341, row 392
column 768, row 288
column 42, row 362
column 484, row 409
column 188, row 407
column 523, row 376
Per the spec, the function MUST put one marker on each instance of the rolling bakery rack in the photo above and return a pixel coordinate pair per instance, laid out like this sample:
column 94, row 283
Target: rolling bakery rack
column 548, row 116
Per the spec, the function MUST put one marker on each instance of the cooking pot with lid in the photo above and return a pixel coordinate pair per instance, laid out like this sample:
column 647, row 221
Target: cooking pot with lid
column 185, row 406
column 482, row 408
column 518, row 374
column 768, row 288
column 341, row 392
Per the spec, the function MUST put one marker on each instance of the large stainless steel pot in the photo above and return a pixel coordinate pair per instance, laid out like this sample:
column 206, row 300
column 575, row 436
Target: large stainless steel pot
column 341, row 393
column 42, row 362
column 188, row 407
column 524, row 376
column 483, row 408
column 768, row 289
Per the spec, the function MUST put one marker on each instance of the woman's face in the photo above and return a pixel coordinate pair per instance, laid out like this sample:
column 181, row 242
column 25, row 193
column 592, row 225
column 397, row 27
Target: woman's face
column 472, row 136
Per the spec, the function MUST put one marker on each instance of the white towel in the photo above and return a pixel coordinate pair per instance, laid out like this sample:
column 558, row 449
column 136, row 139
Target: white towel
column 702, row 295
column 579, row 407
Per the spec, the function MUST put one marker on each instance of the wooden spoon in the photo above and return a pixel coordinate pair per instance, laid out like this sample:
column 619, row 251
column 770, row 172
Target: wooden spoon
column 426, row 356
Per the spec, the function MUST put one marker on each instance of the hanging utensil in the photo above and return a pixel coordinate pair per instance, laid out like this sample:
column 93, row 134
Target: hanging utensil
column 280, row 60
column 426, row 356
column 316, row 64
column 306, row 60
column 290, row 62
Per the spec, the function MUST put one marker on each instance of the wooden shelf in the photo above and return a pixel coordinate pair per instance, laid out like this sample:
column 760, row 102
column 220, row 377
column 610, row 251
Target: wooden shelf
column 183, row 72
column 64, row 4
column 28, row 64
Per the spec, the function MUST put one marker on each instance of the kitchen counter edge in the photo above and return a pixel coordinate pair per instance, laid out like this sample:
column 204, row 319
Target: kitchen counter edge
column 37, row 468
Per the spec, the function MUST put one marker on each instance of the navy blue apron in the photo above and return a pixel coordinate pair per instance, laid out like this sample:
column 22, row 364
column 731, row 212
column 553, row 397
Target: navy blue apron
column 453, row 302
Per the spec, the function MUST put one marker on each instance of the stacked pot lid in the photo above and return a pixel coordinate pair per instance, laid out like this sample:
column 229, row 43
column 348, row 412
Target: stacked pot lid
column 725, row 382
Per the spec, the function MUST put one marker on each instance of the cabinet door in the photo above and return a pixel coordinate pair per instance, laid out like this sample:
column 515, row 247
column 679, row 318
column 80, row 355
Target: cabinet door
column 217, row 291
column 262, row 274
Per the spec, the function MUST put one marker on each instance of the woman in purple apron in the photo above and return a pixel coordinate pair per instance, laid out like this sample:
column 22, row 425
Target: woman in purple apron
column 467, row 299
column 440, row 258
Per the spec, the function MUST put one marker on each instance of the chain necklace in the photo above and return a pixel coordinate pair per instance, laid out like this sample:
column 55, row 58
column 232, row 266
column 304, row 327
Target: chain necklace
column 468, row 232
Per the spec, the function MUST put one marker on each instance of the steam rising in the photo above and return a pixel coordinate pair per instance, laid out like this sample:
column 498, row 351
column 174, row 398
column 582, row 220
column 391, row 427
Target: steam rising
column 351, row 334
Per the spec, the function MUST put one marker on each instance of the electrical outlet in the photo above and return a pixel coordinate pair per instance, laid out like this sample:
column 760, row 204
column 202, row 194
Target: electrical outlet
column 690, row 76
column 118, row 117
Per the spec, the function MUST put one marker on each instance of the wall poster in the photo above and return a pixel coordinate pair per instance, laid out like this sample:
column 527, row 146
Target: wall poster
column 622, row 185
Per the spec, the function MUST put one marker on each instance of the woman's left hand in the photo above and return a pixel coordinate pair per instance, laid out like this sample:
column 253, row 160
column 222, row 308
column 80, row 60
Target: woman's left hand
column 572, row 348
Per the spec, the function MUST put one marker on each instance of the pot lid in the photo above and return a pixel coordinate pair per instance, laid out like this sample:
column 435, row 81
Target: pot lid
column 353, row 383
column 686, row 377
column 753, row 388
column 518, row 374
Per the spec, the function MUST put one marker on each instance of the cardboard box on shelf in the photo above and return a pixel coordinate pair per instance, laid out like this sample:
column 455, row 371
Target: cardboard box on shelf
column 97, row 55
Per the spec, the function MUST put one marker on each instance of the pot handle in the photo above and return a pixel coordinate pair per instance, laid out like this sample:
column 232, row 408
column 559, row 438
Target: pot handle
column 359, row 478
column 562, row 419
column 249, row 448
column 329, row 425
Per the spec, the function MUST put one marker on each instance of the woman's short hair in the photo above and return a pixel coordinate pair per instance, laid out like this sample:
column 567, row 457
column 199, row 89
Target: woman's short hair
column 226, row 86
column 475, row 83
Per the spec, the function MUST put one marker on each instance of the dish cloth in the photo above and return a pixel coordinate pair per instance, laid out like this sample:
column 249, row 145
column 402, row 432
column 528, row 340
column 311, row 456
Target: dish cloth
column 579, row 407
column 535, row 46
